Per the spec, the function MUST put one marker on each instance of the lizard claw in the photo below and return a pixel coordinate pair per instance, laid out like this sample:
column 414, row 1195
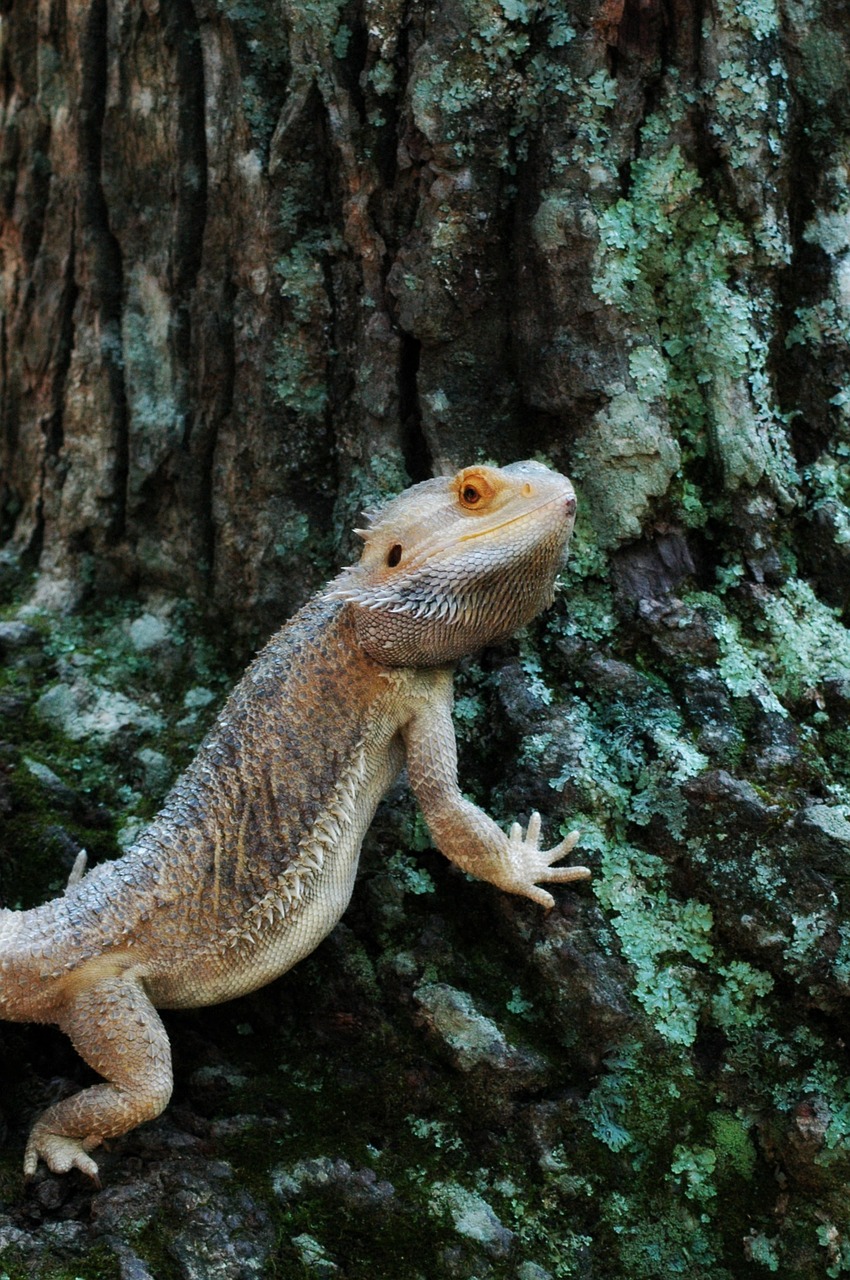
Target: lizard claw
column 529, row 863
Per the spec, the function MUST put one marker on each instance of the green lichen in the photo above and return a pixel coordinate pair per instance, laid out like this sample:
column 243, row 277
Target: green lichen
column 739, row 999
column 758, row 17
column 298, row 368
column 791, row 645
column 807, row 643
column 660, row 936
column 693, row 1169
column 626, row 459
column 409, row 874
column 670, row 255
column 762, row 1248
column 316, row 20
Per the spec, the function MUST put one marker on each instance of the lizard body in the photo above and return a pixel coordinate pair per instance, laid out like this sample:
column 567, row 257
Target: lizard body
column 252, row 860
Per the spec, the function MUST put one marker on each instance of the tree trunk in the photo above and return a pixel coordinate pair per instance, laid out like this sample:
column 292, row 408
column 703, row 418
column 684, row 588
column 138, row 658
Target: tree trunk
column 263, row 264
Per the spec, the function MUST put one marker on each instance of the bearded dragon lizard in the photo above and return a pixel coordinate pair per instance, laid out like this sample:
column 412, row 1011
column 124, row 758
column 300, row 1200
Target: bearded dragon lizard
column 252, row 860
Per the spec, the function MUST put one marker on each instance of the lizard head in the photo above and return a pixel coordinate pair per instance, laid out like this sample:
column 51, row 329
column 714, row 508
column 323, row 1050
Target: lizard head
column 453, row 564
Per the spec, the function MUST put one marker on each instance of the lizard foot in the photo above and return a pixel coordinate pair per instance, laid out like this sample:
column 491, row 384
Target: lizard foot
column 530, row 863
column 59, row 1154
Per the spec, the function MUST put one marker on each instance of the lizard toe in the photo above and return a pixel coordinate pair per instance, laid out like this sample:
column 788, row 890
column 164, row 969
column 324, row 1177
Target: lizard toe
column 59, row 1153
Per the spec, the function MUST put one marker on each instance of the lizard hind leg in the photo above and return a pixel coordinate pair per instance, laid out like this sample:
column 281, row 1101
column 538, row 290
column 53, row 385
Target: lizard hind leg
column 115, row 1028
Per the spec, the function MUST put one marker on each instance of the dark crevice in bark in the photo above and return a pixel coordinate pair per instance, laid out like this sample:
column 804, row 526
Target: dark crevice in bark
column 37, row 191
column 805, row 387
column 688, row 19
column 8, row 437
column 352, row 66
column 54, row 435
column 102, row 249
column 219, row 414
column 395, row 203
column 640, row 59
column 417, row 455
column 54, row 428
column 7, row 79
column 10, row 149
column 23, row 45
column 634, row 35
column 181, row 29
column 654, row 40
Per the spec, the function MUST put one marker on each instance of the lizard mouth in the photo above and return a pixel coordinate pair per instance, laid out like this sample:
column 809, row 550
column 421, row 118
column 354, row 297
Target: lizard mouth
column 523, row 515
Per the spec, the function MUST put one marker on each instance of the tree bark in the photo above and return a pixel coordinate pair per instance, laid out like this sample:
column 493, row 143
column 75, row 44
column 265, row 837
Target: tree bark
column 263, row 264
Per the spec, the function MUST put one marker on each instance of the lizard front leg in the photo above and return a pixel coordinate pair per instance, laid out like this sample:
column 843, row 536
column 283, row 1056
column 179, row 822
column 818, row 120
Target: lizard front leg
column 462, row 831
column 115, row 1028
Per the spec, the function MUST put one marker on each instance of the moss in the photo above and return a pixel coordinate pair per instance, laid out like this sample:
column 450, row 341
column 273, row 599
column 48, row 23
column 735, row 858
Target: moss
column 382, row 476
column 95, row 792
column 97, row 1263
column 823, row 82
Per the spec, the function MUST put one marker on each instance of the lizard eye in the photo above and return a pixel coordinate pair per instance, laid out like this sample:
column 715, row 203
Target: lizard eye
column 474, row 490
column 394, row 555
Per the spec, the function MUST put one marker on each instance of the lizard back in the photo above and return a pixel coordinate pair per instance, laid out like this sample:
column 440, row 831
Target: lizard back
column 265, row 823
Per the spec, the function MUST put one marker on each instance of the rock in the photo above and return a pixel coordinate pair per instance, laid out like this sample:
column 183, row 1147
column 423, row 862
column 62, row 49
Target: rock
column 313, row 1256
column 585, row 982
column 156, row 769
column 353, row 1188
column 138, row 1201
column 130, row 1264
column 737, row 799
column 652, row 570
column 13, row 705
column 147, row 632
column 52, row 783
column 224, row 1232
column 217, row 1077
column 11, row 1237
column 18, row 635
column 828, row 824
column 63, row 846
column 520, row 701
column 87, row 710
column 472, row 1217
column 198, row 697
column 526, row 1271
column 709, row 706
column 236, row 1126
column 472, row 1040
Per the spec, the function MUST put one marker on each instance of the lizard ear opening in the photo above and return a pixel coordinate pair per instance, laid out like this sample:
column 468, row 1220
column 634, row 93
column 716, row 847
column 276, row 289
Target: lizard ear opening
column 394, row 555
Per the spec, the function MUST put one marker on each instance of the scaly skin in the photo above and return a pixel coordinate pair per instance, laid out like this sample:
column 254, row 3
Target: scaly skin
column 252, row 860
